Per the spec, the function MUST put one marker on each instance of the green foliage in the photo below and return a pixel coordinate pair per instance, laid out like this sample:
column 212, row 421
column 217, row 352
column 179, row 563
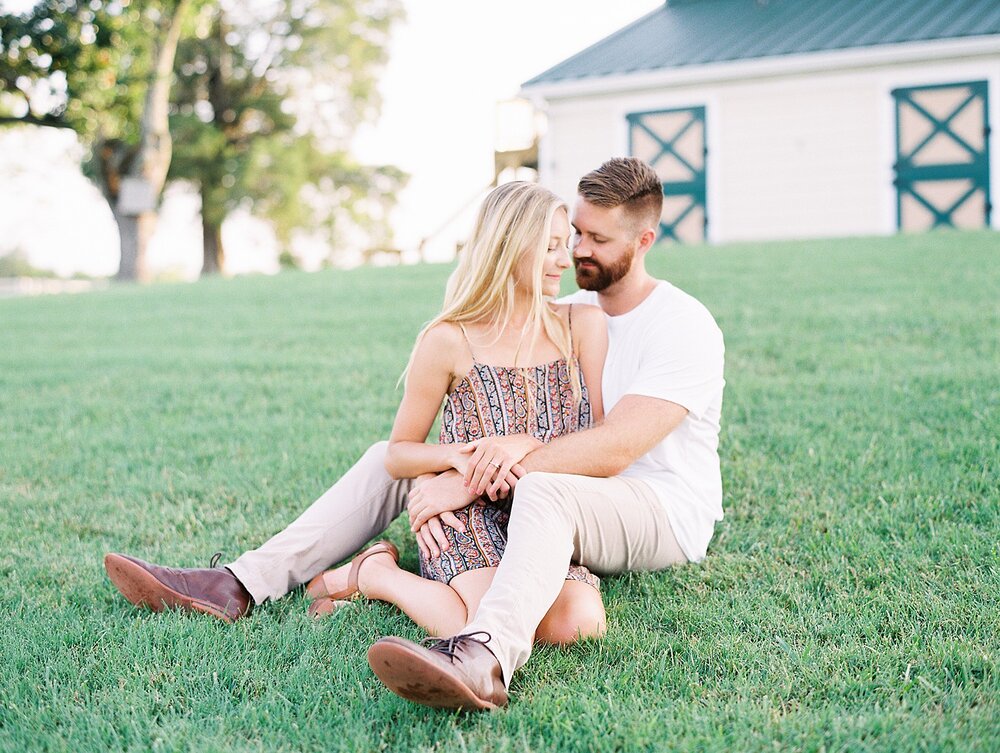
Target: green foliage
column 848, row 601
column 80, row 65
column 267, row 98
column 287, row 260
column 16, row 264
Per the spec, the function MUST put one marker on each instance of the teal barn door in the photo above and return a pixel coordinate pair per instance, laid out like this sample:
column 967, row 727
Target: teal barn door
column 673, row 142
column 942, row 169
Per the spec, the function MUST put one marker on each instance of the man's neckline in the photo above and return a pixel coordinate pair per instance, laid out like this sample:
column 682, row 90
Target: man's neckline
column 656, row 286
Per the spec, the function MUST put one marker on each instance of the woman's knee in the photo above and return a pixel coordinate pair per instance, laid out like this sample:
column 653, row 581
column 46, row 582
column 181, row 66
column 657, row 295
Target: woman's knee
column 577, row 614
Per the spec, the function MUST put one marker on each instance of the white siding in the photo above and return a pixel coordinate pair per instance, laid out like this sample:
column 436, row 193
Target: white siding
column 585, row 137
column 799, row 155
column 797, row 159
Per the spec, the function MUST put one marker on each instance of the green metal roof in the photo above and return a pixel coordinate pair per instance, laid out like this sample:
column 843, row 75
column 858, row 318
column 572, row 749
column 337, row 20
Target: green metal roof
column 694, row 32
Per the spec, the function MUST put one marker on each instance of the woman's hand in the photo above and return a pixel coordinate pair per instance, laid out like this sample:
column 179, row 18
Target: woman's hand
column 431, row 538
column 439, row 494
column 493, row 460
column 460, row 459
column 458, row 456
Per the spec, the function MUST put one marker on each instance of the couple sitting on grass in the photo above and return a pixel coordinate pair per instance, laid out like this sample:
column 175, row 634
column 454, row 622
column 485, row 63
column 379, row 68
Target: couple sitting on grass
column 578, row 436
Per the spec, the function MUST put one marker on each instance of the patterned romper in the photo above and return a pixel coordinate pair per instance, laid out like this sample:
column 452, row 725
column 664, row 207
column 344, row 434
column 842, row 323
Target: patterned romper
column 493, row 401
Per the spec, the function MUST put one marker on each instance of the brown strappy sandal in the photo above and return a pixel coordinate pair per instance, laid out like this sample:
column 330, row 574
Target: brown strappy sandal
column 324, row 602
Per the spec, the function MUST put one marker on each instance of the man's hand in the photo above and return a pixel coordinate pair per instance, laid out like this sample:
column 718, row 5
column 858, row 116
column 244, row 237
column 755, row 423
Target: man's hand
column 431, row 538
column 493, row 467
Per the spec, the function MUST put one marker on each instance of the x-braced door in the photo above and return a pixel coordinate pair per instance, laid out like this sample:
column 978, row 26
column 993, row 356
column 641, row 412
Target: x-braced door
column 942, row 156
column 673, row 142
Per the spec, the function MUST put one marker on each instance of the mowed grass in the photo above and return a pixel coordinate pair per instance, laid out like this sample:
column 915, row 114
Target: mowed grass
column 849, row 600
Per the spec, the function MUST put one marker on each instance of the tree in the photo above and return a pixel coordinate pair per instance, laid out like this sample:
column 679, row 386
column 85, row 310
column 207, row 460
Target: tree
column 103, row 68
column 268, row 95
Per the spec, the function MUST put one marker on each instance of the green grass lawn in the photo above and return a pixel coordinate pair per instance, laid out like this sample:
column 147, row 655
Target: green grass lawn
column 850, row 599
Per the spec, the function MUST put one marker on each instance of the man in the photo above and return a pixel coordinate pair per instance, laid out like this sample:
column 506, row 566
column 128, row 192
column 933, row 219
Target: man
column 642, row 491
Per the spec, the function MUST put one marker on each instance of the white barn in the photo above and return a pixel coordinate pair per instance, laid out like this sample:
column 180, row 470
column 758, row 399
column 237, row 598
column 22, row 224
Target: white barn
column 771, row 119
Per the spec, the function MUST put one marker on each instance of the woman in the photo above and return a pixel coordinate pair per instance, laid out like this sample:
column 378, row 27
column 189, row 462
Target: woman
column 513, row 370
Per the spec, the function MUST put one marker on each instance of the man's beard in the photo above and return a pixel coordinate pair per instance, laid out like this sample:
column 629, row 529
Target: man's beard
column 596, row 276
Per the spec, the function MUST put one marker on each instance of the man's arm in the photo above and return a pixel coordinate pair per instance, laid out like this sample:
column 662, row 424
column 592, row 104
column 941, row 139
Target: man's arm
column 680, row 371
column 633, row 427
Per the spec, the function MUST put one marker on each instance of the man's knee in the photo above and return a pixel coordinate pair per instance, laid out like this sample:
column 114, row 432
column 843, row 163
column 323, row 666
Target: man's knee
column 372, row 461
column 377, row 451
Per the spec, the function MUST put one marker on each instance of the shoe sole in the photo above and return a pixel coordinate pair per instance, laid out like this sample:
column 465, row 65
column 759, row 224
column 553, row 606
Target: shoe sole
column 143, row 590
column 410, row 675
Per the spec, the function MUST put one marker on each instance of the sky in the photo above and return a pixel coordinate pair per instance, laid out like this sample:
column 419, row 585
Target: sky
column 450, row 63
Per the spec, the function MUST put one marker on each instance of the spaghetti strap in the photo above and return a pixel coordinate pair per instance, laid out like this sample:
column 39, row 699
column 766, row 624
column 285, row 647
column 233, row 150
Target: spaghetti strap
column 546, row 401
column 468, row 342
column 569, row 316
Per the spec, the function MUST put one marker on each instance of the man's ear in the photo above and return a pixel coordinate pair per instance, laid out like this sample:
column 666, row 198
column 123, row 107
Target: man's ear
column 646, row 240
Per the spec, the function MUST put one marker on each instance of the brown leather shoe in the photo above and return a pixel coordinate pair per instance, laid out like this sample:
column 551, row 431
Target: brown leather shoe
column 214, row 590
column 450, row 673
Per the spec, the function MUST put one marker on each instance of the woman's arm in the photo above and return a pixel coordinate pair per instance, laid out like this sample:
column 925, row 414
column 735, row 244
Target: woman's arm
column 496, row 458
column 427, row 381
column 590, row 340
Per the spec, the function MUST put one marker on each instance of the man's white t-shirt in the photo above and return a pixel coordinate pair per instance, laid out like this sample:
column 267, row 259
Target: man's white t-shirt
column 669, row 347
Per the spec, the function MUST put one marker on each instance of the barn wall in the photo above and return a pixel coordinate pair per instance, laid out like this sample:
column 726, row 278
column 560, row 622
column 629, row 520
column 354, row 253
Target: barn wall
column 580, row 136
column 789, row 156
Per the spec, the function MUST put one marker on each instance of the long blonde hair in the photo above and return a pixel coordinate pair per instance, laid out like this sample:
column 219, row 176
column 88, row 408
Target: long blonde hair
column 515, row 219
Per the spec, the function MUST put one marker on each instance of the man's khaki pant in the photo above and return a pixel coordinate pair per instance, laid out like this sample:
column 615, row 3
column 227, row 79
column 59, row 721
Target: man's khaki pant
column 359, row 507
column 608, row 524
column 611, row 525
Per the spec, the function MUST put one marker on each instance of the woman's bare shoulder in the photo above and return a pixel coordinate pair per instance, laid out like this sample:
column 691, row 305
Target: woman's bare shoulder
column 444, row 335
column 583, row 309
column 585, row 315
column 586, row 311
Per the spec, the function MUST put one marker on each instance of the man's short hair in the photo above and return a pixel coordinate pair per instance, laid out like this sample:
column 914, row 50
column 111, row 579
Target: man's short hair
column 627, row 182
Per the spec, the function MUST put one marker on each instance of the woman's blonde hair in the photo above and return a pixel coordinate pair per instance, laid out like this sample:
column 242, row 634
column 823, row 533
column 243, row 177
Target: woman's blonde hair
column 515, row 219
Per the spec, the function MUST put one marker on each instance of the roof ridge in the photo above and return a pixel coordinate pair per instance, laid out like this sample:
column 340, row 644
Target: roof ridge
column 598, row 43
column 683, row 33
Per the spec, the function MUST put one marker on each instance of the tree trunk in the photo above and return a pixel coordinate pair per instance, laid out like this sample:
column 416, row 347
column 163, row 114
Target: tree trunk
column 135, row 207
column 214, row 256
column 134, row 232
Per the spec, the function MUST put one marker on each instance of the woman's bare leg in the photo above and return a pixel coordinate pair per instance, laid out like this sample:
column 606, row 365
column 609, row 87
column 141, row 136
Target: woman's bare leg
column 471, row 586
column 578, row 612
column 434, row 606
column 443, row 609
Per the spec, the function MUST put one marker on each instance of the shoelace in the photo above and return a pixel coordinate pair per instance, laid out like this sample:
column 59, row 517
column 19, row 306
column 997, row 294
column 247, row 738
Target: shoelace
column 448, row 646
column 215, row 560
